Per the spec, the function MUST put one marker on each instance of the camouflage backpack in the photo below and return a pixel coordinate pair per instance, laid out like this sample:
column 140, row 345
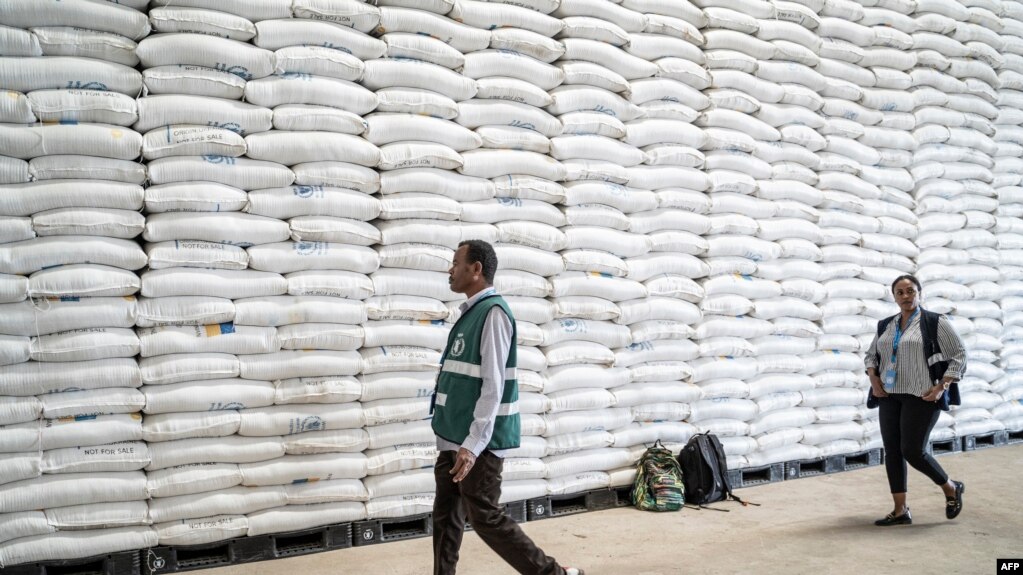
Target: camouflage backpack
column 658, row 484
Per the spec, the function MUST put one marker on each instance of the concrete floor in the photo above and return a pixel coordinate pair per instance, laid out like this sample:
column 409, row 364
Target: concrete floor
column 820, row 524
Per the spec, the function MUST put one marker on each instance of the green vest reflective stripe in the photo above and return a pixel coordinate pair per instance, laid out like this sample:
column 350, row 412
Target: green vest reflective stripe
column 459, row 383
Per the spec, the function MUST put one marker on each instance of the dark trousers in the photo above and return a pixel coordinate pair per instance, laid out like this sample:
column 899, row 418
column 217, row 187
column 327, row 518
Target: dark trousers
column 476, row 497
column 906, row 423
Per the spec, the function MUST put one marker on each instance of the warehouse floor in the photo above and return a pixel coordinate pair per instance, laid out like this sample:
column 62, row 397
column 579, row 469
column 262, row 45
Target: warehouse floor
column 818, row 524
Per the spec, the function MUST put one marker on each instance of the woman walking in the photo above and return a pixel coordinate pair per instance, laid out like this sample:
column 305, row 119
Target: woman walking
column 914, row 363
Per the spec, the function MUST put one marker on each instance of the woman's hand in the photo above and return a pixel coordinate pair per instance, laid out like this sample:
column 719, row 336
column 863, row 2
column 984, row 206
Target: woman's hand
column 934, row 394
column 876, row 388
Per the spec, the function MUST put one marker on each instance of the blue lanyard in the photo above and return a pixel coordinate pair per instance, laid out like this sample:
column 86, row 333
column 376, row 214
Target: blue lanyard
column 898, row 333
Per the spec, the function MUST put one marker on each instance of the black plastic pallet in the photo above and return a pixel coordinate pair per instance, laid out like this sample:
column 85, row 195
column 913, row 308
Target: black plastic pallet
column 739, row 478
column 123, row 563
column 515, row 509
column 985, row 440
column 558, row 505
column 173, row 559
column 806, row 468
column 945, row 446
column 176, row 558
column 382, row 530
column 623, row 496
column 850, row 461
column 1014, row 436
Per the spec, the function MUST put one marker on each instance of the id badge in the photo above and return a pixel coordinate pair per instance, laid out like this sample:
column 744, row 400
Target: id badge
column 889, row 380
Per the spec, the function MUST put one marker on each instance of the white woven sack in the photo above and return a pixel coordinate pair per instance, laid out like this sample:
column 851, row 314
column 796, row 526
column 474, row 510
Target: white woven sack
column 283, row 310
column 174, row 426
column 387, row 411
column 15, row 349
column 285, row 203
column 77, row 544
column 14, row 171
column 194, row 197
column 228, row 449
column 627, row 200
column 184, row 140
column 303, row 88
column 95, row 106
column 82, row 280
column 388, row 128
column 42, row 317
column 299, row 147
column 243, row 173
column 575, row 98
column 176, row 369
column 576, row 421
column 78, row 42
column 219, row 338
column 420, row 333
column 286, row 257
column 281, row 33
column 103, row 140
column 304, row 516
column 97, row 430
column 405, row 73
column 89, row 222
column 416, row 256
column 126, row 456
column 197, row 531
column 399, row 358
column 115, row 19
column 292, row 469
column 631, row 19
column 294, row 418
column 495, row 163
column 353, row 14
column 304, row 363
column 489, row 63
column 195, row 80
column 39, row 378
column 232, row 228
column 33, row 255
column 84, row 345
column 66, row 72
column 20, row 410
column 16, row 42
column 217, row 283
column 169, row 19
column 441, row 182
column 238, row 58
column 541, row 47
column 478, row 112
column 418, row 47
column 230, row 500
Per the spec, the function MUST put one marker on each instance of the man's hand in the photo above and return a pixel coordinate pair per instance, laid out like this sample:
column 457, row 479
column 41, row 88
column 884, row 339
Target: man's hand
column 463, row 464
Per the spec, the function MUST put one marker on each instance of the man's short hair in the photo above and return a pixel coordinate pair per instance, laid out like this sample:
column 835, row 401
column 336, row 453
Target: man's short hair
column 482, row 252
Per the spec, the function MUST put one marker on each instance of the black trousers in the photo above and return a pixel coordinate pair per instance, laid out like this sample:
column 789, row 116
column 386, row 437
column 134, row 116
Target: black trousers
column 906, row 423
column 476, row 497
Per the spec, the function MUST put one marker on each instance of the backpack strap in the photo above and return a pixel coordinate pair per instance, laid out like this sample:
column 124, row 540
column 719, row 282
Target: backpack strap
column 719, row 450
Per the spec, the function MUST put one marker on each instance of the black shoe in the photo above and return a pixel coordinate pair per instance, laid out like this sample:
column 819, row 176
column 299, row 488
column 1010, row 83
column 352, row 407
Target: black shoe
column 954, row 504
column 893, row 519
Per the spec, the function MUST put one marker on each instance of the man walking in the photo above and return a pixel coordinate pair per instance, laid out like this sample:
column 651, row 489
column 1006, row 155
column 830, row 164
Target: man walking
column 476, row 420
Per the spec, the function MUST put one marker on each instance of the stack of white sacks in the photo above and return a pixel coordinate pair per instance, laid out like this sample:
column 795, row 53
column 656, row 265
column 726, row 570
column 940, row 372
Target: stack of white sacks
column 72, row 482
column 956, row 82
column 1008, row 177
column 757, row 128
column 698, row 209
column 866, row 217
column 258, row 260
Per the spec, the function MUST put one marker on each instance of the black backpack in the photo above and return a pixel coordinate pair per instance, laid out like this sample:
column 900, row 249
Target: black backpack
column 705, row 471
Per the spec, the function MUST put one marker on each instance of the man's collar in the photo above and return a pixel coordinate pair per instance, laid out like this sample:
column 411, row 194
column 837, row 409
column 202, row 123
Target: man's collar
column 477, row 297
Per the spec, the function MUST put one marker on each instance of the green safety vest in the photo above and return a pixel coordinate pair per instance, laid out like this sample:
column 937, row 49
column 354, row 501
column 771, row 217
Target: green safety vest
column 459, row 383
